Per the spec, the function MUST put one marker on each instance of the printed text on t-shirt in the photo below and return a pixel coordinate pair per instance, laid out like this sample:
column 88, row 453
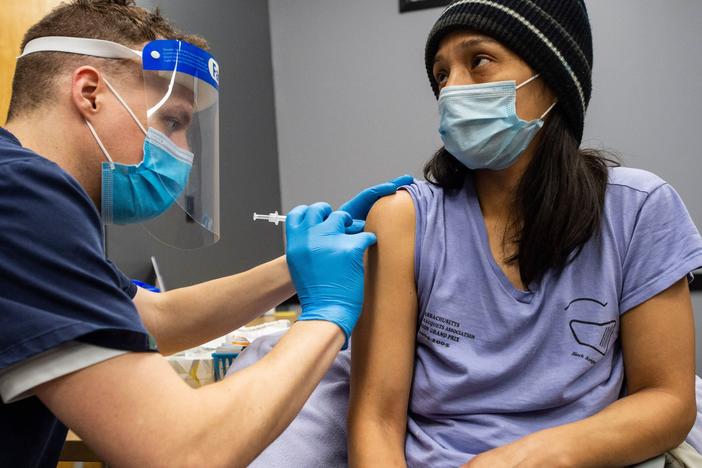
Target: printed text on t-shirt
column 443, row 331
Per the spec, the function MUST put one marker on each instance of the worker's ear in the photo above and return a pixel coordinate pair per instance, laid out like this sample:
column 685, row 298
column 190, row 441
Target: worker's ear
column 87, row 90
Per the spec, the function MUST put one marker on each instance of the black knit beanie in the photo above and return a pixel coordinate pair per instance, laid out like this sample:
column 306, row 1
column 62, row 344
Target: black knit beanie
column 552, row 36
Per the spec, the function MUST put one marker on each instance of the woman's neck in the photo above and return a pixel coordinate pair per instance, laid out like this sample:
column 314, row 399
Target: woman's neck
column 497, row 189
column 496, row 192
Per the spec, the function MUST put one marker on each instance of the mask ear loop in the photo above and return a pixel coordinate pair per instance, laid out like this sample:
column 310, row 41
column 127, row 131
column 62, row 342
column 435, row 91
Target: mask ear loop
column 548, row 110
column 124, row 104
column 99, row 142
column 533, row 78
column 131, row 113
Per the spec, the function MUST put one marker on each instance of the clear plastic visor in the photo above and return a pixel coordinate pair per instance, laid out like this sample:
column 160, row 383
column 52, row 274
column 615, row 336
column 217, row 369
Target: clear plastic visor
column 181, row 87
column 182, row 100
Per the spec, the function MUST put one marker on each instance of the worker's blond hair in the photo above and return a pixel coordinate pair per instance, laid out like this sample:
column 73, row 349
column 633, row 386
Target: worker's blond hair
column 119, row 21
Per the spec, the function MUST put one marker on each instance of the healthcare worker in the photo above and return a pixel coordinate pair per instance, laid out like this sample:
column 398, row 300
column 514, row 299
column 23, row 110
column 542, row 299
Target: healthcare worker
column 113, row 119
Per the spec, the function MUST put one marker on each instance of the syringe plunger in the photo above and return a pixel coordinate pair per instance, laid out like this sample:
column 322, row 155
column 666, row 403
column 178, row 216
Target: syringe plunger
column 274, row 218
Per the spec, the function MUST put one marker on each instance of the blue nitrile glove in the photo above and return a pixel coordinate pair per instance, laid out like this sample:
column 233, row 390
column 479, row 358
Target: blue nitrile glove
column 326, row 264
column 359, row 206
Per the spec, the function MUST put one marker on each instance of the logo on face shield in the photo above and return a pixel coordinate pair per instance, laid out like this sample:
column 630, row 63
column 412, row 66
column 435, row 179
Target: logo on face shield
column 214, row 69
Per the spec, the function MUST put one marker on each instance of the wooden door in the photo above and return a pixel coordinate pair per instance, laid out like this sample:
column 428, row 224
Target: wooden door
column 17, row 16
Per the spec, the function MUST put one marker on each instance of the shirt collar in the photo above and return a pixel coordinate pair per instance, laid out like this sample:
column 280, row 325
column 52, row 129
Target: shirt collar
column 9, row 136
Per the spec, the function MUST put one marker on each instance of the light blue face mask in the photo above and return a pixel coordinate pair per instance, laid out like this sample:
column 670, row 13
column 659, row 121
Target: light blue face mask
column 132, row 193
column 480, row 126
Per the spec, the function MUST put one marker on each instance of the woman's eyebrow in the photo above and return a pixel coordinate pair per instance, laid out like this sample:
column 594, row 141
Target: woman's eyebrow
column 467, row 44
column 476, row 41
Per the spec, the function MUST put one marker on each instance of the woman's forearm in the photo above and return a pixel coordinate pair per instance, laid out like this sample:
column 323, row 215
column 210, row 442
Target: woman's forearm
column 375, row 442
column 629, row 431
column 190, row 316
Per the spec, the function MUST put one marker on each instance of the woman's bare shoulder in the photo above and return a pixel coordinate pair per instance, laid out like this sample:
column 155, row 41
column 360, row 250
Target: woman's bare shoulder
column 392, row 214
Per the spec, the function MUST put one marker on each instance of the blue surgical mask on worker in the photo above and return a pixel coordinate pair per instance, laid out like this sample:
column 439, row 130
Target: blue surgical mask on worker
column 480, row 126
column 132, row 193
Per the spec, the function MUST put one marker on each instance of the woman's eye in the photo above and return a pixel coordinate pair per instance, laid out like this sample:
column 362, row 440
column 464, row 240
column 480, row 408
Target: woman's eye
column 479, row 61
column 440, row 78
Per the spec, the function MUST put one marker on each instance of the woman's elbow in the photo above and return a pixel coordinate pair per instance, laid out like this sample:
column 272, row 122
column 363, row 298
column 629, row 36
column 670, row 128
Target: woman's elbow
column 688, row 418
column 681, row 415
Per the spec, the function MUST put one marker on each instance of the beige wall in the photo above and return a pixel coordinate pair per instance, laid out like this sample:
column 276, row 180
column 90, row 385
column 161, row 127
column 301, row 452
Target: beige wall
column 17, row 16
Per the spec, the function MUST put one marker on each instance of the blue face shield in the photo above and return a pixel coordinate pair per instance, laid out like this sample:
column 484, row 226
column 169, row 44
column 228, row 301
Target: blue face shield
column 174, row 191
column 480, row 126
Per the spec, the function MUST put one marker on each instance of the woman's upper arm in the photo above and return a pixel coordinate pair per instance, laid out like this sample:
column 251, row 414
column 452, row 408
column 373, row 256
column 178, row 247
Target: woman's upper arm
column 658, row 343
column 383, row 343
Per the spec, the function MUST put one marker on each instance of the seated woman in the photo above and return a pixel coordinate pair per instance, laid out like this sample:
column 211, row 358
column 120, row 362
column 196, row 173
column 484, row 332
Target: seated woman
column 529, row 306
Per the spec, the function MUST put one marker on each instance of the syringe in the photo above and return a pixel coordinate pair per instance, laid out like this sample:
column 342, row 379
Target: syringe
column 274, row 218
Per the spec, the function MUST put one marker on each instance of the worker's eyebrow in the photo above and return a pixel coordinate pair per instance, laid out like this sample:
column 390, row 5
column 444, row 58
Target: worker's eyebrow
column 468, row 44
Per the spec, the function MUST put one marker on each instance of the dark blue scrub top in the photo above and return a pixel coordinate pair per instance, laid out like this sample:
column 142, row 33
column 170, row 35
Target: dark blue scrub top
column 55, row 286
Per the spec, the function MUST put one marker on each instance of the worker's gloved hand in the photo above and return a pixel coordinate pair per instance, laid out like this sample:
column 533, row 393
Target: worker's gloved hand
column 326, row 264
column 359, row 206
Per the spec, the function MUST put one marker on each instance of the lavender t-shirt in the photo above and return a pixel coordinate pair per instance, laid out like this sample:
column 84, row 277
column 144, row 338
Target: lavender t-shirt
column 494, row 363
